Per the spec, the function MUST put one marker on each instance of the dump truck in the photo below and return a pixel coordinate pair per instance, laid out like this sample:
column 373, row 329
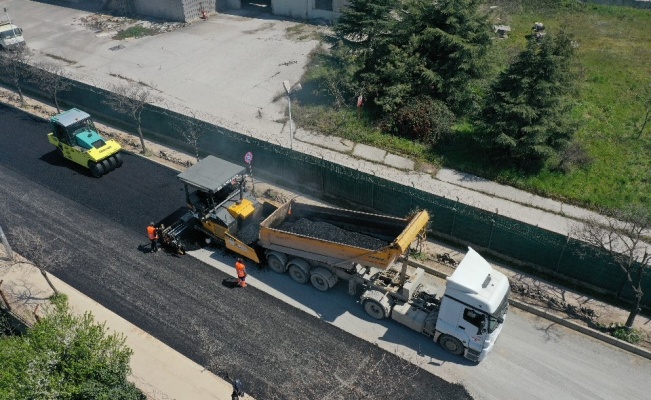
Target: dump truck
column 77, row 139
column 324, row 245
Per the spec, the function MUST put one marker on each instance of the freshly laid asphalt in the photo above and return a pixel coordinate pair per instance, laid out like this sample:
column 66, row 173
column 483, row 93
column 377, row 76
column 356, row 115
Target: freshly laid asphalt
column 279, row 351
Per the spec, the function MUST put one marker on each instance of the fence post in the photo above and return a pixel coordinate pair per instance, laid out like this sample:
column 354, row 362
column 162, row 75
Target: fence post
column 454, row 217
column 490, row 239
column 10, row 254
column 560, row 256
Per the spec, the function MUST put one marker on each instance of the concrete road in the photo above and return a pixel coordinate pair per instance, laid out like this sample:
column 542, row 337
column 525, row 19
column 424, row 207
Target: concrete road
column 278, row 350
column 207, row 65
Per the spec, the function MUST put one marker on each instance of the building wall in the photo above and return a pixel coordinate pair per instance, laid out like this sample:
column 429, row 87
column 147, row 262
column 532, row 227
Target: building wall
column 170, row 10
column 306, row 9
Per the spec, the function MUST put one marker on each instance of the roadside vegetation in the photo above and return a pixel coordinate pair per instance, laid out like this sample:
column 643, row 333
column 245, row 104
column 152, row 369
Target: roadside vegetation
column 135, row 31
column 66, row 356
column 582, row 136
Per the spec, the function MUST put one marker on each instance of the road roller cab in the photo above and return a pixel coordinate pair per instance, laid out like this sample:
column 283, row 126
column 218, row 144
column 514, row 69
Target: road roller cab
column 76, row 138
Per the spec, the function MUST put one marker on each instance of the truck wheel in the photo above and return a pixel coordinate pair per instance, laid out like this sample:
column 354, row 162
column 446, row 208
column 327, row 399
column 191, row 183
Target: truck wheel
column 322, row 278
column 118, row 159
column 374, row 309
column 298, row 274
column 276, row 264
column 107, row 166
column 112, row 162
column 451, row 344
column 96, row 169
column 320, row 282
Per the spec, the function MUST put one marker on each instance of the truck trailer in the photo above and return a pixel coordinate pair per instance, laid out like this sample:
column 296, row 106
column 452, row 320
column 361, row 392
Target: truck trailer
column 325, row 245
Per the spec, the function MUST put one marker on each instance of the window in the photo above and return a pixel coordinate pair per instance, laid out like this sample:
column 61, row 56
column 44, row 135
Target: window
column 323, row 5
column 474, row 317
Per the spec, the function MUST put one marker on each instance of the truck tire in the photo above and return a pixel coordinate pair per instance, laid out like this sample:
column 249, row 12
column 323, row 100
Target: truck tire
column 107, row 165
column 96, row 169
column 451, row 344
column 374, row 309
column 118, row 159
column 299, row 270
column 277, row 263
column 376, row 304
column 112, row 163
column 322, row 279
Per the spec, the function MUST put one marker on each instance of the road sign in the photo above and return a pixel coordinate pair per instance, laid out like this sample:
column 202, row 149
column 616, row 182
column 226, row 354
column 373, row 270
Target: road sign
column 248, row 157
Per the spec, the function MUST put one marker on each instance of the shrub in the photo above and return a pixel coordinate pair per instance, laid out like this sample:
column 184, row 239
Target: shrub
column 424, row 119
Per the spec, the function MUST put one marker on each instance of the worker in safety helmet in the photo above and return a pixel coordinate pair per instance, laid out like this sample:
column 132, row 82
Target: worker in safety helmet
column 241, row 272
column 152, row 234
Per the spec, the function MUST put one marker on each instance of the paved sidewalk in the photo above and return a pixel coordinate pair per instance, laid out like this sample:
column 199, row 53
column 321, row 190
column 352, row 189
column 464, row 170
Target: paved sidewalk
column 159, row 371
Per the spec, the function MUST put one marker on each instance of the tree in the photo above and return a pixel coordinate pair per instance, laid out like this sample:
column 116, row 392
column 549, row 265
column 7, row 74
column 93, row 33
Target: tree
column 191, row 132
column 623, row 235
column 52, row 78
column 66, row 356
column 131, row 98
column 37, row 252
column 527, row 114
column 417, row 47
column 13, row 66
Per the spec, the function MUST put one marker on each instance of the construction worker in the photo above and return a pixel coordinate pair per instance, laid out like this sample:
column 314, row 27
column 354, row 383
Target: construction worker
column 152, row 234
column 241, row 272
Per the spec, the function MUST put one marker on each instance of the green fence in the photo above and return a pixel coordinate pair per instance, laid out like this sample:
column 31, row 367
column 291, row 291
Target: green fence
column 532, row 245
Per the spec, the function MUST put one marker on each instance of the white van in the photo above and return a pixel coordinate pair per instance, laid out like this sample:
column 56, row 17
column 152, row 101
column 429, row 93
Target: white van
column 11, row 36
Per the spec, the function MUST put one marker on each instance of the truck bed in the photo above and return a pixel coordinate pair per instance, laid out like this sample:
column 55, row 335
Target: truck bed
column 337, row 236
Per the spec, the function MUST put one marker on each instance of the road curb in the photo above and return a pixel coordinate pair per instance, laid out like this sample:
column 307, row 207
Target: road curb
column 580, row 328
column 561, row 321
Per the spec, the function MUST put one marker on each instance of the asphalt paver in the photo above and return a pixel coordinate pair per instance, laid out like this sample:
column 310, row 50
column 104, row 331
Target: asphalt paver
column 279, row 351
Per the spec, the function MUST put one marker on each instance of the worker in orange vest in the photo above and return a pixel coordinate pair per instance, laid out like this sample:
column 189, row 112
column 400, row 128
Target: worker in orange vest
column 152, row 234
column 241, row 272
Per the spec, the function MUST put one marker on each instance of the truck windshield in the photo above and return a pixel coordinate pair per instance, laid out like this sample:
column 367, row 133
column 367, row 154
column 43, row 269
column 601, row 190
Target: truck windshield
column 497, row 318
column 11, row 33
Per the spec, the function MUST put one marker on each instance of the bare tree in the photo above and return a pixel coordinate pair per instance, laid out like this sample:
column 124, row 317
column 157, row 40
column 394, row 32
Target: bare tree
column 38, row 252
column 191, row 132
column 623, row 234
column 52, row 78
column 13, row 66
column 131, row 98
column 645, row 100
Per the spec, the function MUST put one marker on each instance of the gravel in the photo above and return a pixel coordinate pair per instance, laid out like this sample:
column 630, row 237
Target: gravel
column 332, row 233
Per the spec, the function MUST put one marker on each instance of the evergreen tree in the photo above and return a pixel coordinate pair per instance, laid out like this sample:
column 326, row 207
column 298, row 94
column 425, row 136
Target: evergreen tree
column 415, row 48
column 527, row 115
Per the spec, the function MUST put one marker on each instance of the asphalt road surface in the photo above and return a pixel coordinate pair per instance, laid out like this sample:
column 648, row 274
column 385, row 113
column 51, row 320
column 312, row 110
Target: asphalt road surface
column 279, row 351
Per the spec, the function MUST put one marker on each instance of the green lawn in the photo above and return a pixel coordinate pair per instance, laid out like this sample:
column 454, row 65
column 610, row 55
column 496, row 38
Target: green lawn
column 614, row 53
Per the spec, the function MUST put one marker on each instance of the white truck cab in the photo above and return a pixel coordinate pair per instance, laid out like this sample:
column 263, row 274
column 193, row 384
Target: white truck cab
column 467, row 317
column 11, row 36
column 473, row 308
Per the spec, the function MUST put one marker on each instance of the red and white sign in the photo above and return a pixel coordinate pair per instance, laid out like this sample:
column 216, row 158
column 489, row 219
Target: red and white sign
column 248, row 157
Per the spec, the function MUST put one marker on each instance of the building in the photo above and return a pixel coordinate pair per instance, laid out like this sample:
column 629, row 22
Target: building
column 189, row 10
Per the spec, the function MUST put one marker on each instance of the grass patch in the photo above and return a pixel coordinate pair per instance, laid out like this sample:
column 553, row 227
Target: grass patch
column 302, row 33
column 614, row 63
column 136, row 31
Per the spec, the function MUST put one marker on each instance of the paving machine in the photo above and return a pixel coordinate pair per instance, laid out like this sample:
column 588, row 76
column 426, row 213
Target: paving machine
column 220, row 207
